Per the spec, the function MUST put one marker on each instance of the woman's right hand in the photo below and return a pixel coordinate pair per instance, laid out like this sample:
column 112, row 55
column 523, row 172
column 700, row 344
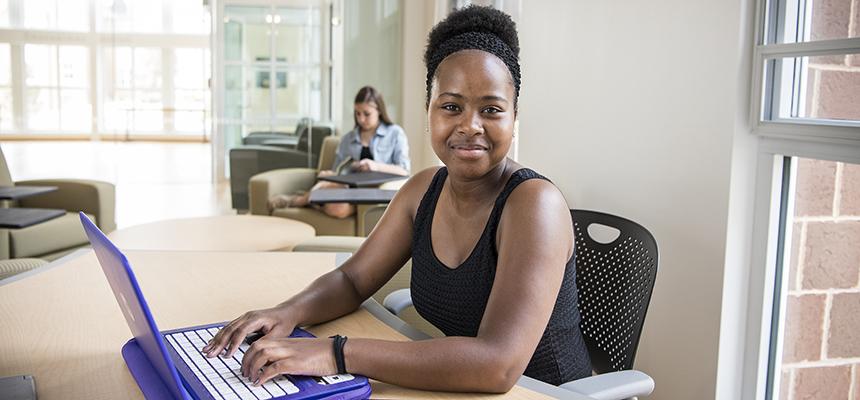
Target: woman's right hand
column 326, row 172
column 272, row 322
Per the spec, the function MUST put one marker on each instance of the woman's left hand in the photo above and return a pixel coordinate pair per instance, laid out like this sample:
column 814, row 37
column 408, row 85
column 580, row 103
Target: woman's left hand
column 367, row 165
column 268, row 358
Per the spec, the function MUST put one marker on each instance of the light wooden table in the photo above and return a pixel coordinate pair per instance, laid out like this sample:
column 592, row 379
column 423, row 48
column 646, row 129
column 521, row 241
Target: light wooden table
column 61, row 323
column 216, row 233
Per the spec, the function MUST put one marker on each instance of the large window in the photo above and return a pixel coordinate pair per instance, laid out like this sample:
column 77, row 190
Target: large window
column 135, row 68
column 806, row 108
column 56, row 87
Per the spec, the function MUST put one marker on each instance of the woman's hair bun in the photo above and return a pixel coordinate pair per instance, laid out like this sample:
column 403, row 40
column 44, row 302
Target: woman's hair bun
column 475, row 19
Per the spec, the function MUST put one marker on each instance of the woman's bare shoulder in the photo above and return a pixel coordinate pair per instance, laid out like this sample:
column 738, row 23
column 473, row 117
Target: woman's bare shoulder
column 536, row 198
column 411, row 193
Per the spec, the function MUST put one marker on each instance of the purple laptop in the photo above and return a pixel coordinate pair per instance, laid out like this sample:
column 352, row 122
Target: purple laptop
column 170, row 365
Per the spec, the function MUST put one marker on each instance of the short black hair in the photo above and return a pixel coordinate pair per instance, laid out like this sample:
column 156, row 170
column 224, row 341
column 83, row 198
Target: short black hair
column 479, row 28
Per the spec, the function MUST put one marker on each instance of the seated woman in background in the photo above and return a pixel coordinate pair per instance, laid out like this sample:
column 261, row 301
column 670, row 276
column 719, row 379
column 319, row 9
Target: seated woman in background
column 375, row 144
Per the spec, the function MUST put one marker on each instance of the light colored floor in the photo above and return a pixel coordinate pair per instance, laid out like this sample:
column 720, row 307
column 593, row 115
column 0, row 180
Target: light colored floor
column 154, row 181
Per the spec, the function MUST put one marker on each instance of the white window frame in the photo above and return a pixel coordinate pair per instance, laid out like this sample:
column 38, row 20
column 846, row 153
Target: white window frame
column 830, row 140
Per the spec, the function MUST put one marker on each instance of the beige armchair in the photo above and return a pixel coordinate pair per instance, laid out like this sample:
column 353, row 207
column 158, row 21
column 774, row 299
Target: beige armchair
column 291, row 180
column 54, row 238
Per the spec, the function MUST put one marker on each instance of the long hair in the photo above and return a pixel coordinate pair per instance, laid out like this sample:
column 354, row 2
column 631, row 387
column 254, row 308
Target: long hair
column 369, row 94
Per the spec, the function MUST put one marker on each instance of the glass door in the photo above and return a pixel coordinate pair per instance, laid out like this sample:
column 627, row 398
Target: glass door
column 276, row 72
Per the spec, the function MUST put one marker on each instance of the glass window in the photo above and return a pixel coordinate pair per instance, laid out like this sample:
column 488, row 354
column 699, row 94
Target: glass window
column 43, row 109
column 297, row 35
column 190, row 68
column 40, row 65
column 5, row 71
column 6, row 112
column 821, row 88
column 820, row 283
column 797, row 21
column 74, row 66
column 190, row 16
column 5, row 17
column 147, row 67
column 142, row 16
column 66, row 15
column 803, row 80
column 76, row 114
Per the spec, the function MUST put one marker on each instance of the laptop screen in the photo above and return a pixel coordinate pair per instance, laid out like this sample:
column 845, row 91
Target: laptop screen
column 130, row 299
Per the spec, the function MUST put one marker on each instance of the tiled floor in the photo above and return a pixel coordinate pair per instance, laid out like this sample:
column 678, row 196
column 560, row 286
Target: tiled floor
column 154, row 181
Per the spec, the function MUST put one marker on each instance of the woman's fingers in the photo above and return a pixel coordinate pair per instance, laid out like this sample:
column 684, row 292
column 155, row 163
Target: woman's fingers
column 272, row 370
column 217, row 344
column 261, row 353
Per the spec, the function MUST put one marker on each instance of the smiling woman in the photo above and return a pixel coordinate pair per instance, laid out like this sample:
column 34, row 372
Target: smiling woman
column 491, row 244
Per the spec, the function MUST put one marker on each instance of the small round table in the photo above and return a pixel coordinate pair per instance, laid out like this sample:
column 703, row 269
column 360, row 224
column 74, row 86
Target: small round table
column 217, row 233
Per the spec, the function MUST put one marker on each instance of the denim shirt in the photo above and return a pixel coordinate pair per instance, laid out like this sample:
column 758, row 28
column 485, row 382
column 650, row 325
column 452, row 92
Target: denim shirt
column 388, row 145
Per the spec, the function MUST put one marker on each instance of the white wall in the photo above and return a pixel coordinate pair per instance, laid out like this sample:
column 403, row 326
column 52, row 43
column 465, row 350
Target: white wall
column 630, row 107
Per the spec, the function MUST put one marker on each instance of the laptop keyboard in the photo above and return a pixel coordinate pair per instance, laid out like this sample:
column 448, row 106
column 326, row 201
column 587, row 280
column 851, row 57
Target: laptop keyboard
column 222, row 376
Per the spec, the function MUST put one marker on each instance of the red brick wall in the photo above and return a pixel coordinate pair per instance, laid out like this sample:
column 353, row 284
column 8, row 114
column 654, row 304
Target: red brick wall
column 821, row 346
column 834, row 81
column 821, row 342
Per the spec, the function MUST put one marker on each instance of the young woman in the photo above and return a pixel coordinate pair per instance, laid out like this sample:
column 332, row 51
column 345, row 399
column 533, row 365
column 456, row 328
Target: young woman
column 491, row 245
column 375, row 144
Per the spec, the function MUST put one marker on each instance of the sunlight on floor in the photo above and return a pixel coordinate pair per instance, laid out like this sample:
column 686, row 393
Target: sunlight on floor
column 154, row 181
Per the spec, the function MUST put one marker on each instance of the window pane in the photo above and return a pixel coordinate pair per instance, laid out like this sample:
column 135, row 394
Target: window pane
column 825, row 87
column 810, row 20
column 76, row 111
column 74, row 66
column 297, row 35
column 113, row 16
column 40, row 65
column 147, row 67
column 247, row 33
column 257, row 99
column 39, row 14
column 6, row 121
column 5, row 71
column 822, row 287
column 298, row 93
column 190, row 16
column 146, row 16
column 42, row 109
column 5, row 20
column 189, row 69
column 148, row 111
column 75, row 15
column 118, row 111
column 233, row 92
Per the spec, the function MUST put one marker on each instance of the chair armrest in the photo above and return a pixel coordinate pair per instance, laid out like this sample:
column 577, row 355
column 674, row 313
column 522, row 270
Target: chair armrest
column 613, row 385
column 96, row 198
column 277, row 181
column 398, row 301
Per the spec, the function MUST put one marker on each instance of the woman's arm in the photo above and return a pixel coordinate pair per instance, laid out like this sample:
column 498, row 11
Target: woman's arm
column 342, row 290
column 535, row 241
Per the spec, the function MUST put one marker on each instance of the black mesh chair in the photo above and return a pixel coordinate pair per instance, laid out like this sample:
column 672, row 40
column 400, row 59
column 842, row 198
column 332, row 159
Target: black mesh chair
column 614, row 282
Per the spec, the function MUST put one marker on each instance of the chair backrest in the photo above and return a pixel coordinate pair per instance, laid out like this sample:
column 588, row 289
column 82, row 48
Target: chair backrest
column 328, row 152
column 312, row 135
column 615, row 281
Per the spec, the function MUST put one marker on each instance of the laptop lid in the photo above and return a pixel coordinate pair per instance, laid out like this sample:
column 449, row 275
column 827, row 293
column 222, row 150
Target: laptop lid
column 130, row 299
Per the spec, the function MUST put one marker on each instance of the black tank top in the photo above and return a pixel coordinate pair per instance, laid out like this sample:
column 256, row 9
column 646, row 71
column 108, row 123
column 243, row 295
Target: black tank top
column 454, row 300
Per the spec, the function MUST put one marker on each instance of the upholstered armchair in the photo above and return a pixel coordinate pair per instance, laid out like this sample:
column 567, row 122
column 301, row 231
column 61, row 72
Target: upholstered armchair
column 56, row 237
column 291, row 180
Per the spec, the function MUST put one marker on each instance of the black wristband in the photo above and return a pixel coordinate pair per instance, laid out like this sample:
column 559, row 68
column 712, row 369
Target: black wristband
column 337, row 345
